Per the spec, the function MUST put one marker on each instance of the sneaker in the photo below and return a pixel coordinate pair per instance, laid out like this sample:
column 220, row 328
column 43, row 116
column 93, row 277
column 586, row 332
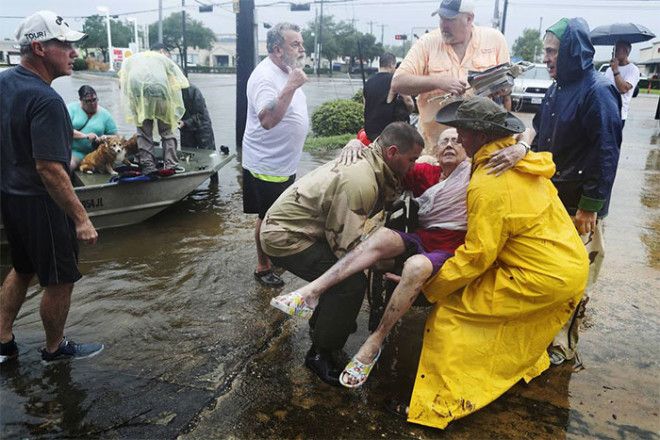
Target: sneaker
column 8, row 350
column 71, row 350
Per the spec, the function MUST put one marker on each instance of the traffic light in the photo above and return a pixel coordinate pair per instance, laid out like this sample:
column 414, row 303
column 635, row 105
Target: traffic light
column 401, row 37
column 300, row 6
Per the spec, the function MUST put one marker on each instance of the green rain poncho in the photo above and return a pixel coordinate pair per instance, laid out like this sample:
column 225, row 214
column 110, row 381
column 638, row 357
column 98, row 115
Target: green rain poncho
column 151, row 87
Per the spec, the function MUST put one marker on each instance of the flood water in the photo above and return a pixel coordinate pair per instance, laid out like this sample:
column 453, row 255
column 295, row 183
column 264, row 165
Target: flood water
column 193, row 350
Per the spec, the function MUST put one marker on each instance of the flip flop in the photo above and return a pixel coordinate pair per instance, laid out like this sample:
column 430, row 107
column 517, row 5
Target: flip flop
column 292, row 304
column 357, row 370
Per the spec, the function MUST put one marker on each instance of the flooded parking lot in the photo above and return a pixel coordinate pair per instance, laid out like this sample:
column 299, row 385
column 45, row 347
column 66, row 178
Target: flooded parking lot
column 193, row 350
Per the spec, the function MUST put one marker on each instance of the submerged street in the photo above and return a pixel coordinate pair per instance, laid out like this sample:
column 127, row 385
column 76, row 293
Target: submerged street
column 194, row 351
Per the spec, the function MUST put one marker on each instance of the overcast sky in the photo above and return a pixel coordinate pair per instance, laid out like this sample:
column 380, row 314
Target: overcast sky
column 398, row 17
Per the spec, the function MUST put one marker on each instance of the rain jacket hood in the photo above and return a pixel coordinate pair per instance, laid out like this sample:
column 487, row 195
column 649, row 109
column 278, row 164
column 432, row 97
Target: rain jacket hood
column 538, row 164
column 576, row 53
column 151, row 87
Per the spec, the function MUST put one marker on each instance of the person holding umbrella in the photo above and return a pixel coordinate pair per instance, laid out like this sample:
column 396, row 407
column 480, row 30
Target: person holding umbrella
column 624, row 75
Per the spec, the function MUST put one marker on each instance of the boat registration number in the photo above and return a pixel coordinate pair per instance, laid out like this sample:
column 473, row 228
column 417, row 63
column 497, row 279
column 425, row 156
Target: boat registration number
column 92, row 203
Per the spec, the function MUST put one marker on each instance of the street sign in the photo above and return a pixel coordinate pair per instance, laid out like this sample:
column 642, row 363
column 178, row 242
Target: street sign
column 401, row 37
column 300, row 6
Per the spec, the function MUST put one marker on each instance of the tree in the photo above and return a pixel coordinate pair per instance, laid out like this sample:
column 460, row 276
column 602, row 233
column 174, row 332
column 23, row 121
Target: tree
column 197, row 35
column 529, row 45
column 340, row 39
column 95, row 28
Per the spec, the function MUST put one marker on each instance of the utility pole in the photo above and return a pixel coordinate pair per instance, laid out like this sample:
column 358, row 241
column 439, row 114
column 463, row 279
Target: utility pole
column 318, row 60
column 245, row 62
column 506, row 7
column 160, row 21
column 316, row 39
column 496, row 15
column 371, row 27
column 540, row 37
column 382, row 34
column 184, row 54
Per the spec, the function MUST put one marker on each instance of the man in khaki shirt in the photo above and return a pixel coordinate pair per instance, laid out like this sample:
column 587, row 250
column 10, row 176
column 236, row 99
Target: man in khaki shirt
column 438, row 63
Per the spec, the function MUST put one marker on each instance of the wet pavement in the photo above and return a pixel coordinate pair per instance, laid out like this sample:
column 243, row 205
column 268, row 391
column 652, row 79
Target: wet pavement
column 193, row 350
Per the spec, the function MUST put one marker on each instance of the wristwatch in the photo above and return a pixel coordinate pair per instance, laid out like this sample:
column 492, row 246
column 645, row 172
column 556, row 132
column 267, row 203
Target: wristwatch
column 526, row 145
column 615, row 73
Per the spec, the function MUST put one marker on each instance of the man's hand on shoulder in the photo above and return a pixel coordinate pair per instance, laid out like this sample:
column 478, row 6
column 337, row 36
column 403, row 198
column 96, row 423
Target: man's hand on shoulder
column 297, row 77
column 351, row 152
column 585, row 221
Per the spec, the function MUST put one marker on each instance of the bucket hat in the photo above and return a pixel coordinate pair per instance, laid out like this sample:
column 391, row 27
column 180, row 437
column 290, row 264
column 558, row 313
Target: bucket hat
column 479, row 114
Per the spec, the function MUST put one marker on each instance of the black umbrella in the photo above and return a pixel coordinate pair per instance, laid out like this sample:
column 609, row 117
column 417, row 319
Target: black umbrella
column 609, row 34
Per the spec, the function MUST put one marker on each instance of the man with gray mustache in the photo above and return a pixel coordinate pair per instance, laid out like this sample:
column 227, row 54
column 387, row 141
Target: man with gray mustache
column 277, row 124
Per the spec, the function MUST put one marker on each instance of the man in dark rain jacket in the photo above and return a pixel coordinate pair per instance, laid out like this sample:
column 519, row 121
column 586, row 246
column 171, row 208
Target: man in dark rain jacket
column 195, row 125
column 579, row 122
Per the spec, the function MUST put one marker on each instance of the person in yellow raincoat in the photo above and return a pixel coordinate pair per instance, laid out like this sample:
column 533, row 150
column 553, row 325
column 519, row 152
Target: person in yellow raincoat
column 151, row 86
column 500, row 300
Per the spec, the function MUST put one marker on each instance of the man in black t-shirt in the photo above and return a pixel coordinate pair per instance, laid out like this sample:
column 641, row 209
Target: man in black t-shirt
column 380, row 108
column 41, row 215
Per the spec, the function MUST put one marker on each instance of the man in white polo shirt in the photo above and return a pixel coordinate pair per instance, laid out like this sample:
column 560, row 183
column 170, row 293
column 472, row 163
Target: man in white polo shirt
column 277, row 124
column 624, row 75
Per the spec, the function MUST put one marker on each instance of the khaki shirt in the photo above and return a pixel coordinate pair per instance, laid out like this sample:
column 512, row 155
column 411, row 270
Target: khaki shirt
column 331, row 203
column 430, row 55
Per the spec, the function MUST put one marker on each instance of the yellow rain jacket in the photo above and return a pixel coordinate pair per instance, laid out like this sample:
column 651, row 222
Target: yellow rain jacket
column 503, row 296
column 151, row 87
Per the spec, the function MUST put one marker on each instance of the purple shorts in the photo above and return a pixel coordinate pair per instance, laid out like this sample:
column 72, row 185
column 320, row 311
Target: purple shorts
column 414, row 246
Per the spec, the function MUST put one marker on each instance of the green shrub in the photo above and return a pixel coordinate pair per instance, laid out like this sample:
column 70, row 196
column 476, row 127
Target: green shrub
column 79, row 64
column 338, row 117
column 359, row 96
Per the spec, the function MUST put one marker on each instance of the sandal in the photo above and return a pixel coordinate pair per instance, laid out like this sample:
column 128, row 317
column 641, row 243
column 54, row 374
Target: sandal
column 292, row 304
column 358, row 371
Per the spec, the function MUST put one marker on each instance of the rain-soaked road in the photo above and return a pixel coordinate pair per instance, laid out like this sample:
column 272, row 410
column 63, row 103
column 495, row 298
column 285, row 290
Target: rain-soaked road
column 193, row 349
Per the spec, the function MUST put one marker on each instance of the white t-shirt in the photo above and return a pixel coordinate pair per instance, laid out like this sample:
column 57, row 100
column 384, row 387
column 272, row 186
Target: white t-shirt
column 275, row 152
column 630, row 74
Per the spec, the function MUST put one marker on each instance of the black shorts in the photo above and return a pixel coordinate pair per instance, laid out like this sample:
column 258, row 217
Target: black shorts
column 259, row 195
column 42, row 239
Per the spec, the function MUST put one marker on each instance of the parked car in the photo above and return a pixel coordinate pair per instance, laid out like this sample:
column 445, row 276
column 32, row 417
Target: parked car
column 530, row 87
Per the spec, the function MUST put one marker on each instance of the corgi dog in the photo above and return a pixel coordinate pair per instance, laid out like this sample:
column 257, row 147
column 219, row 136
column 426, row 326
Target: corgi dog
column 129, row 148
column 105, row 155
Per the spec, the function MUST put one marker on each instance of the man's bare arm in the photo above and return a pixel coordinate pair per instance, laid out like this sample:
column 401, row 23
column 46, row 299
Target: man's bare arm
column 57, row 183
column 273, row 113
column 409, row 84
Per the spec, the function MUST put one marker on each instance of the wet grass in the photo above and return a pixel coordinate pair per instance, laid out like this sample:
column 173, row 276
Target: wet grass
column 325, row 143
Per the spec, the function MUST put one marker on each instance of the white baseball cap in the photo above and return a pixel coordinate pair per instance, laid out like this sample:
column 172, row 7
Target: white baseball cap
column 451, row 8
column 44, row 26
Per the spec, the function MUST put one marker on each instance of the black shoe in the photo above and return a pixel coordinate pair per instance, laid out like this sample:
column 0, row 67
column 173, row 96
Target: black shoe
column 323, row 366
column 269, row 278
column 8, row 350
column 71, row 350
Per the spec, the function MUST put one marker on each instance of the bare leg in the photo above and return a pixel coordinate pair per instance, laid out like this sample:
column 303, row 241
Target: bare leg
column 54, row 310
column 263, row 262
column 384, row 243
column 12, row 296
column 416, row 271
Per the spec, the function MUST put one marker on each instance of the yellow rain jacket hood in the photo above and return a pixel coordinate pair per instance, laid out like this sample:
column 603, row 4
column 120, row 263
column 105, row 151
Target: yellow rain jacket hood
column 151, row 87
column 503, row 296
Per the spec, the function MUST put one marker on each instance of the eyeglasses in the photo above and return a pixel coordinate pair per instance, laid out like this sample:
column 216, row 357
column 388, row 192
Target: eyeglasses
column 90, row 100
column 446, row 141
column 296, row 45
